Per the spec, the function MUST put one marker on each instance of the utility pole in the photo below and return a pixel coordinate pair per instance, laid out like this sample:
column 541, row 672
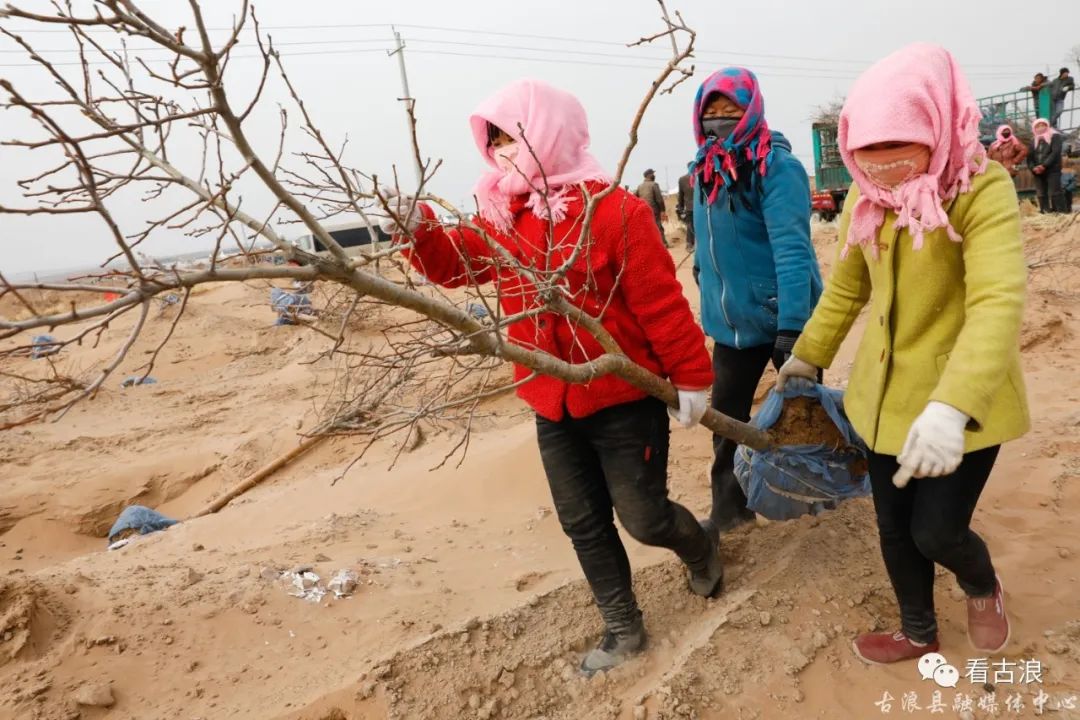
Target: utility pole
column 410, row 103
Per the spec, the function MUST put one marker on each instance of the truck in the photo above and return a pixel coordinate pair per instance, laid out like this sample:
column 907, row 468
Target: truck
column 1018, row 108
column 831, row 178
column 352, row 236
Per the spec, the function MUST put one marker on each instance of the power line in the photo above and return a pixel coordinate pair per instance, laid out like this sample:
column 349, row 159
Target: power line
column 155, row 48
column 602, row 64
column 659, row 58
column 594, row 41
column 210, row 29
column 554, row 38
column 489, row 56
column 839, row 73
column 170, row 59
column 533, row 59
column 774, row 71
column 770, row 70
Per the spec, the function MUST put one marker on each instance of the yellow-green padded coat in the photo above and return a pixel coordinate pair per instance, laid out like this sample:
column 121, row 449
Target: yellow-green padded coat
column 944, row 321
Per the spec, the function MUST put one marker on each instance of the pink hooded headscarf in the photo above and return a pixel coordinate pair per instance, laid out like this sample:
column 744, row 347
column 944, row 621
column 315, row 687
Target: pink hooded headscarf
column 1000, row 138
column 558, row 134
column 1042, row 130
column 919, row 95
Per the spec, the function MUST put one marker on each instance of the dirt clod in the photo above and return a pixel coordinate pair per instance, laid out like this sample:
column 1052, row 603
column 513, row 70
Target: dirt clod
column 803, row 421
column 95, row 694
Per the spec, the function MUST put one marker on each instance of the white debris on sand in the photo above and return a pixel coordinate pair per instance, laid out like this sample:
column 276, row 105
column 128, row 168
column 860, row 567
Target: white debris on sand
column 301, row 582
column 344, row 583
column 304, row 585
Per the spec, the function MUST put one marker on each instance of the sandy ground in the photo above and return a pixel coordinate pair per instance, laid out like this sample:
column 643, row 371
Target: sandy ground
column 471, row 603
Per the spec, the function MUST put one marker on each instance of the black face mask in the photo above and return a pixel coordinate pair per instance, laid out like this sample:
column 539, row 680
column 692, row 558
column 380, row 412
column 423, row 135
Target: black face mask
column 720, row 127
column 1006, row 134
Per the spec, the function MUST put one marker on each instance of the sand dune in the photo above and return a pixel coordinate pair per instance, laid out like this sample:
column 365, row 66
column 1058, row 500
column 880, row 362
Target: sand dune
column 470, row 602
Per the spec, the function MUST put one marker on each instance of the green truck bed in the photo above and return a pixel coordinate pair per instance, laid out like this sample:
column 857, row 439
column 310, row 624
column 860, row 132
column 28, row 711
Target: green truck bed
column 1016, row 108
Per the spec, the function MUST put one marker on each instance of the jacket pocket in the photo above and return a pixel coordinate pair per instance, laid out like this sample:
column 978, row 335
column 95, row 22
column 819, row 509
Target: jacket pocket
column 765, row 293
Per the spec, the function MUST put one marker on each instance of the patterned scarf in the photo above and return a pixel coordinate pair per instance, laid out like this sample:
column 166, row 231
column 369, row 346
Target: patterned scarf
column 717, row 163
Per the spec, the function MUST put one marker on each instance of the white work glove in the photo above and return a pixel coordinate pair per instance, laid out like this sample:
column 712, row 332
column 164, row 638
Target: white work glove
column 934, row 446
column 399, row 205
column 793, row 368
column 692, row 407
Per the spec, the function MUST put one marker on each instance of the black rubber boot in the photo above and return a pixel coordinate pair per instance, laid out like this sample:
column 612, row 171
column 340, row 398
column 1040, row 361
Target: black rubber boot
column 614, row 649
column 708, row 580
column 715, row 530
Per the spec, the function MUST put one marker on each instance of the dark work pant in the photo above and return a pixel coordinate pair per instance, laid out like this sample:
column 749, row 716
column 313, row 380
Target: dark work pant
column 1048, row 189
column 929, row 522
column 736, row 377
column 660, row 224
column 690, row 239
column 1056, row 112
column 617, row 458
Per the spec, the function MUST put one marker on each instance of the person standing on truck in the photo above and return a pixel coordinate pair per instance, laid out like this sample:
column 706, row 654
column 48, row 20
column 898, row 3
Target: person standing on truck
column 754, row 261
column 1008, row 150
column 930, row 238
column 604, row 443
column 1045, row 162
column 1062, row 85
column 685, row 209
column 650, row 192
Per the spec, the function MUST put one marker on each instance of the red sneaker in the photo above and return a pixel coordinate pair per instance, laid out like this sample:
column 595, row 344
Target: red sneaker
column 884, row 648
column 988, row 624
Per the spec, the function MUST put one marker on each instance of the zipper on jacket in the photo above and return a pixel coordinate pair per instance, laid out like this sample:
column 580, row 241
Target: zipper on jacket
column 723, row 287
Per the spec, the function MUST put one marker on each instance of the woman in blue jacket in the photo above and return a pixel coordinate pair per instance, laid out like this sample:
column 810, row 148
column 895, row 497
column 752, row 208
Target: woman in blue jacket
column 754, row 261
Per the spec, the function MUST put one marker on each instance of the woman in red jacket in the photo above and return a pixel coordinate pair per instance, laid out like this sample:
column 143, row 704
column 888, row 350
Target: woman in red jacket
column 604, row 444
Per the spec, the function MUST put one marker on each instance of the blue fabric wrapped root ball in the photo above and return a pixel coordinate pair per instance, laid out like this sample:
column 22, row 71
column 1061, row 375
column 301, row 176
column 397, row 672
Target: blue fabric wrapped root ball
column 817, row 460
column 289, row 305
column 138, row 520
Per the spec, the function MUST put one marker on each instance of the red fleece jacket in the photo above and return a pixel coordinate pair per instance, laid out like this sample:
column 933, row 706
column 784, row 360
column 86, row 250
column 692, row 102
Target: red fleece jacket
column 626, row 277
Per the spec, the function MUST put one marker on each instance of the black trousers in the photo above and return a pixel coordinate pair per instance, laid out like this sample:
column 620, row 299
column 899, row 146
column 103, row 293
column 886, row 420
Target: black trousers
column 691, row 240
column 1048, row 189
column 617, row 458
column 929, row 522
column 660, row 225
column 736, row 377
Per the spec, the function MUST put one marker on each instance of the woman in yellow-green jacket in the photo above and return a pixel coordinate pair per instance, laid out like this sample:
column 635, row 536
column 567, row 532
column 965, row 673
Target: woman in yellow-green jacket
column 930, row 238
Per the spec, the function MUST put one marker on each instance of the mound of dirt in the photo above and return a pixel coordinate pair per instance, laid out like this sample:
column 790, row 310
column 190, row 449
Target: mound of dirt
column 28, row 622
column 473, row 603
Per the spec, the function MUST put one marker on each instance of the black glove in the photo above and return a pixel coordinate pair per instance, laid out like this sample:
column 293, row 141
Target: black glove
column 785, row 343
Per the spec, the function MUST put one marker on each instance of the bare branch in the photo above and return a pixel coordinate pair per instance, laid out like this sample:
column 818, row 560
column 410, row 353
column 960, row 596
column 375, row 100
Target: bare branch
column 118, row 130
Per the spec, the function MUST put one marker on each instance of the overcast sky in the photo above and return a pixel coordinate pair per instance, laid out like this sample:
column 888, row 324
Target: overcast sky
column 805, row 53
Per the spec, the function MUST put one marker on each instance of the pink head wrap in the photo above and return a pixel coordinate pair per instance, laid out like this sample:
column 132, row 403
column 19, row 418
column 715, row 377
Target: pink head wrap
column 1042, row 130
column 556, row 130
column 916, row 95
column 1000, row 138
